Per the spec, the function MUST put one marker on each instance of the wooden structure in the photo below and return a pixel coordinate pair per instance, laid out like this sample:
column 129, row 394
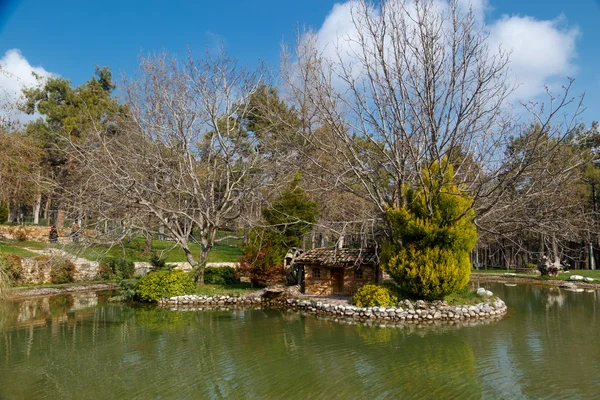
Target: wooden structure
column 330, row 271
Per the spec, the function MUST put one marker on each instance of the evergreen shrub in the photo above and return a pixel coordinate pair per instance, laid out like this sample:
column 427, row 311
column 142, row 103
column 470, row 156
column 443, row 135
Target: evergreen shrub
column 111, row 268
column 287, row 222
column 221, row 276
column 371, row 295
column 158, row 263
column 433, row 235
column 163, row 284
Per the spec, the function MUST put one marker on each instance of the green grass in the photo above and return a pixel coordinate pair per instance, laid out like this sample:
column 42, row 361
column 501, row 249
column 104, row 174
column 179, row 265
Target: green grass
column 16, row 248
column 221, row 290
column 229, row 250
column 134, row 251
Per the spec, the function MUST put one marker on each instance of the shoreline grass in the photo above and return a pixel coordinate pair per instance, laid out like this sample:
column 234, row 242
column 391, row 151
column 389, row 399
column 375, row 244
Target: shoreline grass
column 224, row 290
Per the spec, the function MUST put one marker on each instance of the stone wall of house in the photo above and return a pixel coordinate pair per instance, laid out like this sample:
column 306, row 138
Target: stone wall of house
column 317, row 286
column 323, row 286
column 352, row 284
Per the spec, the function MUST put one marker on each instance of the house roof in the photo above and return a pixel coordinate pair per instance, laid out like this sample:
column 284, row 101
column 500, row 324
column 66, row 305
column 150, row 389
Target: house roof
column 332, row 257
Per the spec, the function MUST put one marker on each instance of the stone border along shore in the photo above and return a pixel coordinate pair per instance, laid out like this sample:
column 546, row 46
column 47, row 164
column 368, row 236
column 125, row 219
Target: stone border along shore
column 570, row 284
column 24, row 292
column 406, row 311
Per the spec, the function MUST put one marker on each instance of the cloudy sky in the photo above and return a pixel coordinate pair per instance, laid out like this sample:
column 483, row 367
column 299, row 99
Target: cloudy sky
column 549, row 39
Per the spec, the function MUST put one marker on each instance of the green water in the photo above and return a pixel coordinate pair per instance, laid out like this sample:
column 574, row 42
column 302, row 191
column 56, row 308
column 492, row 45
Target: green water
column 84, row 348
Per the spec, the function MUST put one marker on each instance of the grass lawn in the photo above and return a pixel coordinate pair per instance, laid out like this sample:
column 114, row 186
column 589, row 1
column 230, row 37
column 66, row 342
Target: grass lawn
column 583, row 272
column 220, row 290
column 20, row 248
column 229, row 250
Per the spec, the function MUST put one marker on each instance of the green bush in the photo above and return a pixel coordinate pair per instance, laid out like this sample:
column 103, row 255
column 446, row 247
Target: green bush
column 221, row 276
column 159, row 264
column 127, row 289
column 162, row 284
column 111, row 268
column 431, row 273
column 61, row 271
column 531, row 266
column 371, row 295
column 433, row 236
column 12, row 266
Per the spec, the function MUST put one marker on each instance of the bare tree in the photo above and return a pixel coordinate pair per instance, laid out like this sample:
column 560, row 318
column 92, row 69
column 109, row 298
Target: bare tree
column 182, row 156
column 415, row 82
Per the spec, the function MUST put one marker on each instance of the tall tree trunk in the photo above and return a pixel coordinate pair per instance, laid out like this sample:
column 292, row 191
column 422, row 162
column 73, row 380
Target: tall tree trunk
column 46, row 210
column 340, row 243
column 36, row 208
column 555, row 253
column 60, row 218
column 148, row 243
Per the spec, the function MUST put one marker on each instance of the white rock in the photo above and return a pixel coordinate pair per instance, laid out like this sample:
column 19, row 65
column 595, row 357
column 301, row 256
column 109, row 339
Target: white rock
column 509, row 274
column 566, row 285
column 481, row 291
column 488, row 293
column 589, row 279
column 576, row 278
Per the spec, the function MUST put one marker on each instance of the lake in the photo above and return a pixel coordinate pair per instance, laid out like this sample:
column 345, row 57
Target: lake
column 82, row 347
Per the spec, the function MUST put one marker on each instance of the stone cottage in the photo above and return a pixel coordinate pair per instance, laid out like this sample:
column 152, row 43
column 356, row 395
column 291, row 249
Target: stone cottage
column 338, row 271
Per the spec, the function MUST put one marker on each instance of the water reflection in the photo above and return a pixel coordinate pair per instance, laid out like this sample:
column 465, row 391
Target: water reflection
column 71, row 347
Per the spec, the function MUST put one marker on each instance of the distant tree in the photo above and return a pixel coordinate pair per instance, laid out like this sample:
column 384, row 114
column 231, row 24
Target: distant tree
column 68, row 113
column 19, row 171
column 286, row 223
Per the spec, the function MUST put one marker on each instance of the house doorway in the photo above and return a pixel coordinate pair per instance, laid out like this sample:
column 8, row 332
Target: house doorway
column 337, row 280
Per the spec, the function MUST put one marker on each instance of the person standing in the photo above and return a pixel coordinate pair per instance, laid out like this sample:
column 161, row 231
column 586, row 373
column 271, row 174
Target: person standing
column 565, row 264
column 75, row 231
column 53, row 235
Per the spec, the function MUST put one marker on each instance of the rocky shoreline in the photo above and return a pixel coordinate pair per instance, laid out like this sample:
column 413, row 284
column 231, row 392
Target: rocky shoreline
column 23, row 292
column 405, row 312
column 515, row 279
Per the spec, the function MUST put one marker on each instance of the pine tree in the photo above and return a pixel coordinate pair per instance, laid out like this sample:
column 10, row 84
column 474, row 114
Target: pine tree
column 433, row 236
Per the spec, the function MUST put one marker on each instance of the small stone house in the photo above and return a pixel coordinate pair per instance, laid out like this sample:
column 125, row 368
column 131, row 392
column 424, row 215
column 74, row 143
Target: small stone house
column 338, row 271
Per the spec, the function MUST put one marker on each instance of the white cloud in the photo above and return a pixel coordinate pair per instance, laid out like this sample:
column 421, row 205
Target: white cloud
column 479, row 7
column 15, row 74
column 543, row 52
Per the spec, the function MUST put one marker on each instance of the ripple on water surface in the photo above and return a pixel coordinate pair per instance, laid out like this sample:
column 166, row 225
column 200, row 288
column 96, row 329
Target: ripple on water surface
column 116, row 351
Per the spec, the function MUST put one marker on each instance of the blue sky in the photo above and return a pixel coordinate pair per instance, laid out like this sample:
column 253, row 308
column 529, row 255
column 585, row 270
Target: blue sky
column 69, row 37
